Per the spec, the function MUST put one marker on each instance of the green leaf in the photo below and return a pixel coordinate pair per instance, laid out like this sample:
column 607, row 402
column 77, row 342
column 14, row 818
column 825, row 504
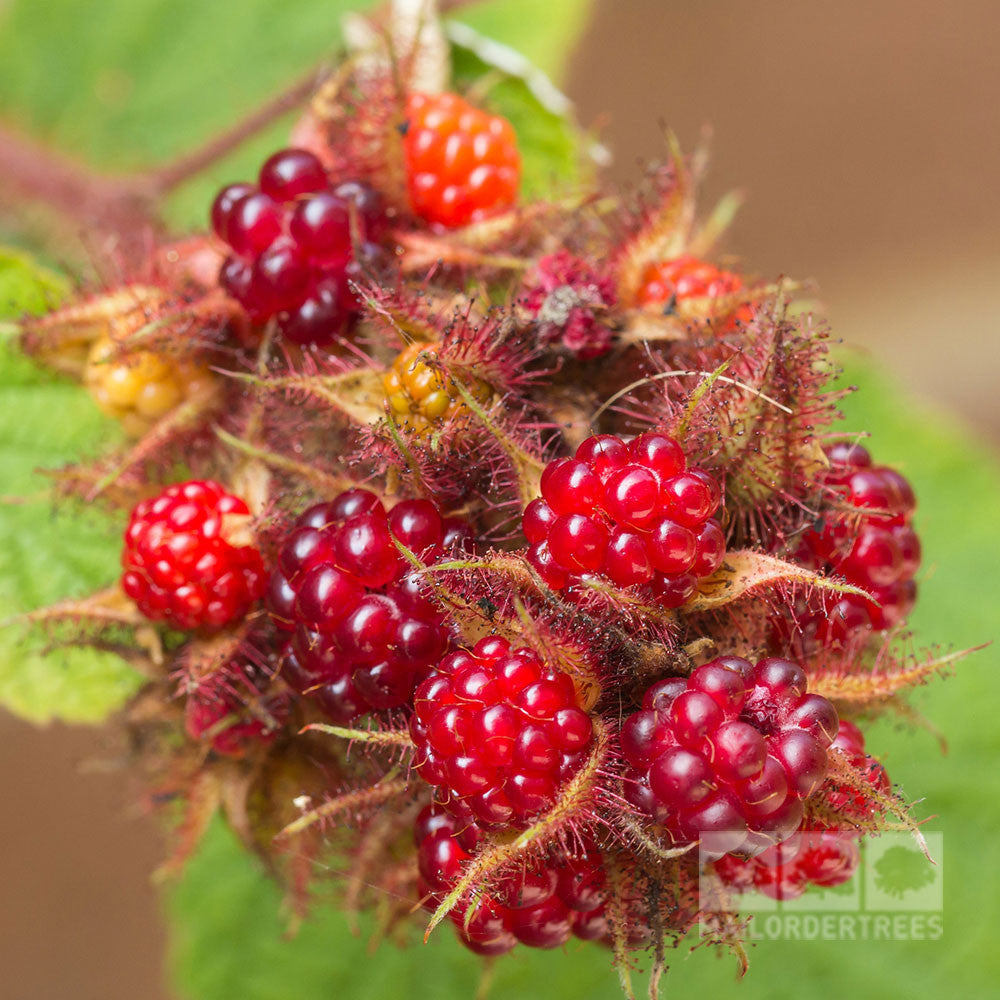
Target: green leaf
column 47, row 554
column 545, row 35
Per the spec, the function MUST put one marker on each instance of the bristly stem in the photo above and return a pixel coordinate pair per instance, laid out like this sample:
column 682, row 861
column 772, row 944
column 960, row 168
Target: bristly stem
column 170, row 176
column 119, row 207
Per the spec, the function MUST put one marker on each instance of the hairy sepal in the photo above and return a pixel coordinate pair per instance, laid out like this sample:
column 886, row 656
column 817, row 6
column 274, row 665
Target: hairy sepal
column 746, row 573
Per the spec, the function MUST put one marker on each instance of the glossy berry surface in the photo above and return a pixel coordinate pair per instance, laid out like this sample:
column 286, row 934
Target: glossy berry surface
column 180, row 566
column 363, row 630
column 462, row 164
column 682, row 278
column 497, row 732
column 823, row 858
column 540, row 906
column 232, row 712
column 422, row 397
column 869, row 541
column 729, row 755
column 631, row 512
column 293, row 239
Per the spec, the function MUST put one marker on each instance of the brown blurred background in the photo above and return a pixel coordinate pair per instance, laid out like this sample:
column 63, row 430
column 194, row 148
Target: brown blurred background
column 865, row 135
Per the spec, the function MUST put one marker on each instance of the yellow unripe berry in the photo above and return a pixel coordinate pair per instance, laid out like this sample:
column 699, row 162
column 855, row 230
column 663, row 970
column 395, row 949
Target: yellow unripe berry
column 141, row 387
column 420, row 396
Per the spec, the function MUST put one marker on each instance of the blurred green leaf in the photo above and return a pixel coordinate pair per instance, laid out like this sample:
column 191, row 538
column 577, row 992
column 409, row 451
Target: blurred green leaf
column 546, row 33
column 46, row 555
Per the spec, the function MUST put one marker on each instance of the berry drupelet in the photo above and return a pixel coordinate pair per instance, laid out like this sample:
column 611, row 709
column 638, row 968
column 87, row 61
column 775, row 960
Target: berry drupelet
column 497, row 732
column 872, row 546
column 541, row 906
column 729, row 755
column 462, row 164
column 633, row 513
column 185, row 561
column 363, row 630
column 294, row 239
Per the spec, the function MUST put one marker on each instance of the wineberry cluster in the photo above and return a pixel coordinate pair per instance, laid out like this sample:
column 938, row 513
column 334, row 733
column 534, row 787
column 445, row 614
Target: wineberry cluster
column 541, row 905
column 632, row 512
column 729, row 755
column 498, row 731
column 541, row 703
column 297, row 240
column 363, row 630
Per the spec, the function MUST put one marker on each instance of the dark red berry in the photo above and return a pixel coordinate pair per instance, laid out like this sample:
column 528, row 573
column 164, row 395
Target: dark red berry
column 294, row 240
column 181, row 566
column 255, row 222
column 321, row 228
column 364, row 630
column 222, row 207
column 498, row 731
column 630, row 512
column 728, row 756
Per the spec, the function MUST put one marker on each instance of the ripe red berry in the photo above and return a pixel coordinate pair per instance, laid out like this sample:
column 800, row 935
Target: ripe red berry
column 498, row 731
column 462, row 164
column 293, row 240
column 729, row 755
column 540, row 905
column 364, row 630
column 876, row 550
column 181, row 566
column 630, row 512
column 686, row 277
